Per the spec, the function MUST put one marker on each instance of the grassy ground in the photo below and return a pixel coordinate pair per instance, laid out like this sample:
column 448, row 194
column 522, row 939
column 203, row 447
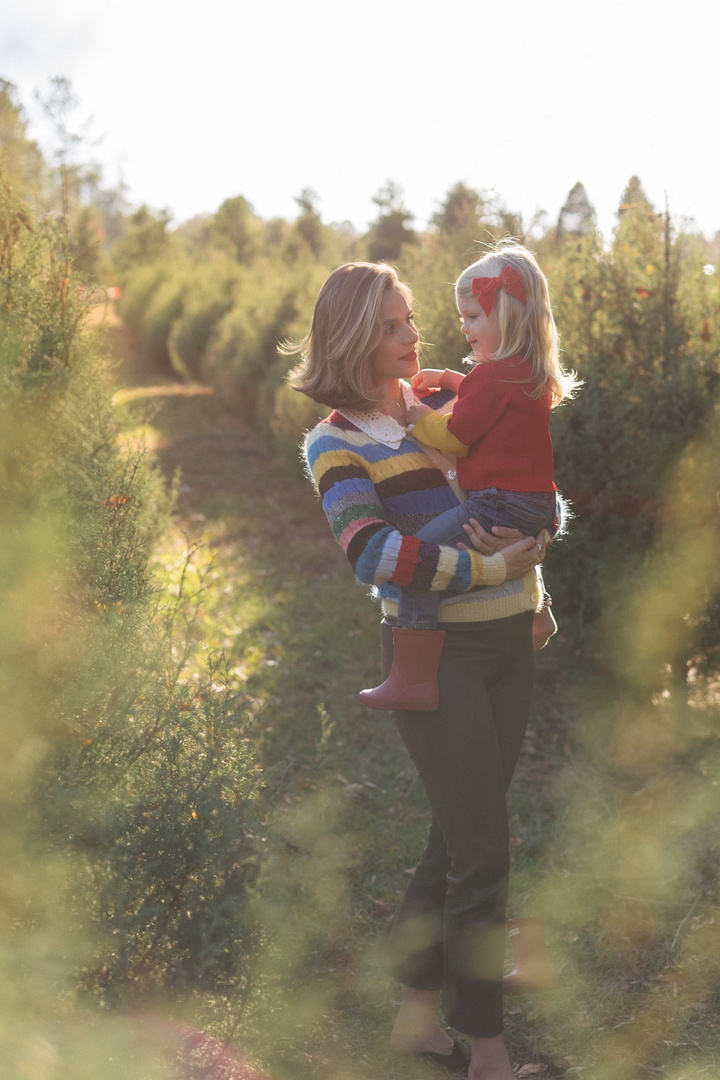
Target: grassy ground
column 346, row 818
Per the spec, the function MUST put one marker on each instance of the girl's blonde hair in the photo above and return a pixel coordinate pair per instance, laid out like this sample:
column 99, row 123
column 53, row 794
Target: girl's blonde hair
column 527, row 328
column 336, row 364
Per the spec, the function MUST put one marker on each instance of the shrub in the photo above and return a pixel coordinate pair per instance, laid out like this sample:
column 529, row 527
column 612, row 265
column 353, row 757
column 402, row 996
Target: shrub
column 646, row 396
column 293, row 415
column 128, row 780
column 209, row 294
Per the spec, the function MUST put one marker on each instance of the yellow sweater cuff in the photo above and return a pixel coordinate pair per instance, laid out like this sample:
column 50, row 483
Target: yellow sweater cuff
column 432, row 429
column 488, row 569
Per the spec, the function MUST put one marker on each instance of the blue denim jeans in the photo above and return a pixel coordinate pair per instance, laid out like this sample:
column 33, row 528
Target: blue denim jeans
column 530, row 512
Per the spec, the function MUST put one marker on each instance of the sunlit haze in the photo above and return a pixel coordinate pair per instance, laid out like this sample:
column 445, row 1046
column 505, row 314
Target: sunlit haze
column 200, row 102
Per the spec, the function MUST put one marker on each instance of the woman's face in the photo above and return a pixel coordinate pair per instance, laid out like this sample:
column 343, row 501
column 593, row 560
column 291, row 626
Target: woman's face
column 396, row 355
column 482, row 331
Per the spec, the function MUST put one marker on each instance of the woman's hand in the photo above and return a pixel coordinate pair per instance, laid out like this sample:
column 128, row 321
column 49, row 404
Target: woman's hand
column 427, row 379
column 520, row 556
column 488, row 543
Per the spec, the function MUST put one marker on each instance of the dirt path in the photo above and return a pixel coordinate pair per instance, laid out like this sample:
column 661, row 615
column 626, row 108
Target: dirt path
column 226, row 469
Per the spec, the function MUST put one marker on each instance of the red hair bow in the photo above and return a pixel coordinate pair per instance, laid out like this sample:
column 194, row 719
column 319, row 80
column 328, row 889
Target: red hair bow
column 486, row 288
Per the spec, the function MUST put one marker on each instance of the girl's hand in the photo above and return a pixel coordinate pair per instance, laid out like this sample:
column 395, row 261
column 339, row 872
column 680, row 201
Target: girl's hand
column 427, row 379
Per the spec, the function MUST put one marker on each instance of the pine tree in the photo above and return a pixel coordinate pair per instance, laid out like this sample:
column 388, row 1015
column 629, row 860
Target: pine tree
column 390, row 232
column 308, row 224
column 461, row 213
column 22, row 161
column 634, row 197
column 235, row 227
column 577, row 216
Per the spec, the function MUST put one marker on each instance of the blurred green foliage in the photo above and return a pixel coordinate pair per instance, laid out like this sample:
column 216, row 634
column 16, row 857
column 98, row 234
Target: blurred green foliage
column 128, row 778
column 134, row 869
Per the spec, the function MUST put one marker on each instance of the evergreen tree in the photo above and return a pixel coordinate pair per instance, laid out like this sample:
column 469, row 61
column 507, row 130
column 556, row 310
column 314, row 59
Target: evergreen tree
column 577, row 216
column 145, row 239
column 465, row 221
column 236, row 227
column 390, row 232
column 86, row 243
column 22, row 161
column 634, row 197
column 631, row 323
column 461, row 213
column 308, row 224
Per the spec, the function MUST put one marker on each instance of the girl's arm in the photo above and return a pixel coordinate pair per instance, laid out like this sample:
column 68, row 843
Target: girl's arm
column 377, row 551
column 435, row 379
column 431, row 428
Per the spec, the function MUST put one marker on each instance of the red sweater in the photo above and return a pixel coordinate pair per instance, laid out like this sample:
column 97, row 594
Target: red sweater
column 503, row 432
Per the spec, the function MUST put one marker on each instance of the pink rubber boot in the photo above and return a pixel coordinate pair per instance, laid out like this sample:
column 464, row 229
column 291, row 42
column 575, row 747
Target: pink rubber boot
column 412, row 682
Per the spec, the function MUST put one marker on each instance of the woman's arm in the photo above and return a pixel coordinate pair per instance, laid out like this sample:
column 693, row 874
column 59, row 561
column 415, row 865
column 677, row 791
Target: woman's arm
column 516, row 549
column 377, row 551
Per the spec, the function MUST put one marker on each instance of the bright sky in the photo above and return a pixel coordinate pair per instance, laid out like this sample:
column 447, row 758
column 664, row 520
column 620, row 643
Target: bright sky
column 199, row 101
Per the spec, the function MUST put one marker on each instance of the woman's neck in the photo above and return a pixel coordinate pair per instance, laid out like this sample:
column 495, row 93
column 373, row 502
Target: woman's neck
column 392, row 402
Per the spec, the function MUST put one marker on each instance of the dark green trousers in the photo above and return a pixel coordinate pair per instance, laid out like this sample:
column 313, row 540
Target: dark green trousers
column 449, row 931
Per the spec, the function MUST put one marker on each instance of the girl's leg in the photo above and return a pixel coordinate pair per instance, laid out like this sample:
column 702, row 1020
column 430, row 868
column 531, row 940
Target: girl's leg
column 530, row 512
column 418, row 608
column 411, row 684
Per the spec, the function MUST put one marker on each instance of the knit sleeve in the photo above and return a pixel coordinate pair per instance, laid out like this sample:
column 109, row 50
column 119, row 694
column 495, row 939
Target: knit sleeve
column 378, row 552
column 432, row 429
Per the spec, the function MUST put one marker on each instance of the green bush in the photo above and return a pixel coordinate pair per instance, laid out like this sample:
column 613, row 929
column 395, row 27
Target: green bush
column 128, row 781
column 151, row 302
column 208, row 296
column 293, row 415
column 626, row 327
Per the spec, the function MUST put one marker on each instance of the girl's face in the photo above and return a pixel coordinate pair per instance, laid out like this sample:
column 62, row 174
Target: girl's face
column 395, row 357
column 482, row 331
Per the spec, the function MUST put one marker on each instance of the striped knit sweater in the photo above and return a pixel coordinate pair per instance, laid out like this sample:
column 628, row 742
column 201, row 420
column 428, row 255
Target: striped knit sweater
column 375, row 498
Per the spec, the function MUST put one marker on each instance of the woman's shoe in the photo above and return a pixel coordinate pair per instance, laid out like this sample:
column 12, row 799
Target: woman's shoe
column 531, row 969
column 412, row 682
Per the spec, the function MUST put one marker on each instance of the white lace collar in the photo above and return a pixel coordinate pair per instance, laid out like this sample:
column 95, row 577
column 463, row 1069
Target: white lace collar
column 384, row 429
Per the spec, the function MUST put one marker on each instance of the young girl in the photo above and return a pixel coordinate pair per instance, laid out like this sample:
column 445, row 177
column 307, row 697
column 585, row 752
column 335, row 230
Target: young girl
column 498, row 429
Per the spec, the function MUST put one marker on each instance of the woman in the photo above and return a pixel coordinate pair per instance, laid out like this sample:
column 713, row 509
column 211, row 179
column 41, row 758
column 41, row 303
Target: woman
column 378, row 488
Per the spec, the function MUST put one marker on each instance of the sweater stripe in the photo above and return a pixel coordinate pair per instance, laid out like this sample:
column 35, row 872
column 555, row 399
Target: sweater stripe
column 375, row 498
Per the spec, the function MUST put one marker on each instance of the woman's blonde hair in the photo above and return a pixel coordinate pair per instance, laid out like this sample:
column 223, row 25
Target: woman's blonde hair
column 526, row 328
column 336, row 364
